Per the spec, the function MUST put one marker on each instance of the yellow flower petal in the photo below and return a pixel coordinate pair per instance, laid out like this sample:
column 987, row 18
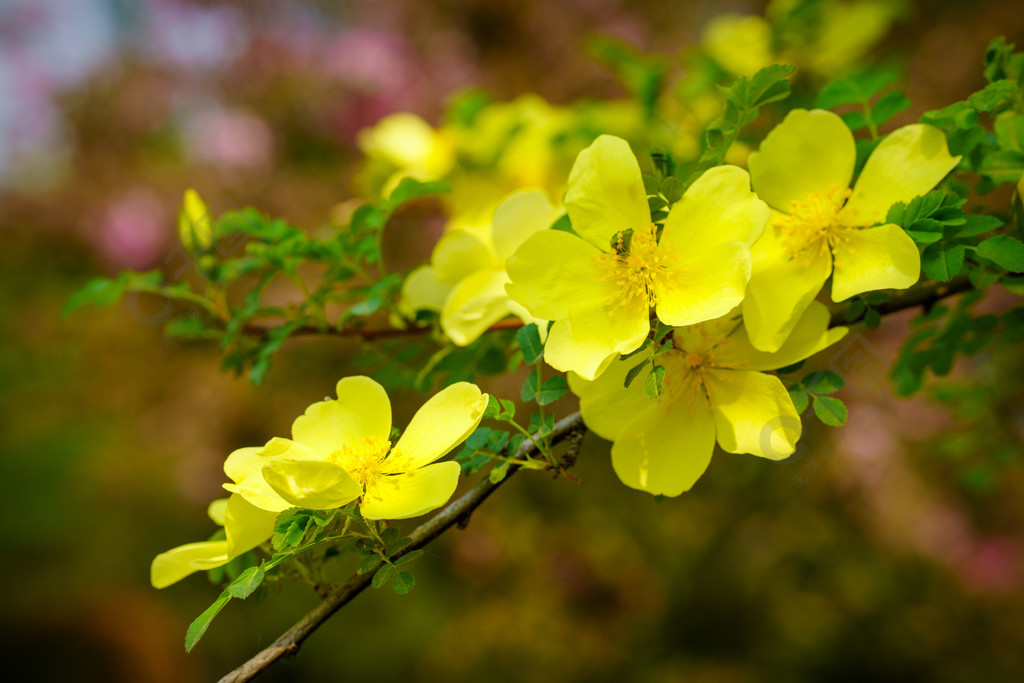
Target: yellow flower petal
column 740, row 44
column 705, row 287
column 876, row 258
column 719, row 207
column 407, row 141
column 195, row 224
column 312, row 484
column 780, row 290
column 445, row 421
column 177, row 563
column 612, row 327
column 245, row 469
column 216, row 510
column 519, row 216
column 665, row 449
column 362, row 410
column 809, row 336
column 606, row 404
column 460, row 253
column 553, row 269
column 411, row 494
column 606, row 193
column 587, row 357
column 810, row 151
column 909, row 162
column 753, row 413
column 422, row 291
column 246, row 526
column 475, row 304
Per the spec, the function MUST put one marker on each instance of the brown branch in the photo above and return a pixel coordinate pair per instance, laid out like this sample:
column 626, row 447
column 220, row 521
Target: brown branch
column 456, row 512
column 369, row 334
column 919, row 295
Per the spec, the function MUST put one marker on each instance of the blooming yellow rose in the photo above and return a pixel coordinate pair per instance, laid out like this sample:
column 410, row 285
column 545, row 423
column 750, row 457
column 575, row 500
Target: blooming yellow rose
column 465, row 281
column 340, row 451
column 714, row 390
column 600, row 283
column 820, row 228
column 245, row 527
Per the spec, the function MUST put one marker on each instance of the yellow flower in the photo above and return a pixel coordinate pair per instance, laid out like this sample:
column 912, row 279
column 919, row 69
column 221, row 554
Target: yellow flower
column 714, row 389
column 339, row 451
column 195, row 227
column 803, row 170
column 245, row 527
column 408, row 147
column 834, row 36
column 466, row 280
column 600, row 283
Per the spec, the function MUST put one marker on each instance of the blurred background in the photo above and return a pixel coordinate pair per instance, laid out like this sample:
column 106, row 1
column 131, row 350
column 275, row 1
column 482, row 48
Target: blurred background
column 891, row 549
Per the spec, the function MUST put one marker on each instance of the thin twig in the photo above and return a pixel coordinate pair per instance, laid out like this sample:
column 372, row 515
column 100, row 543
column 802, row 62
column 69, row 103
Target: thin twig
column 455, row 512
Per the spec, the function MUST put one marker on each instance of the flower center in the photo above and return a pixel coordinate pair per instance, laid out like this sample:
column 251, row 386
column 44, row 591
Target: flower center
column 811, row 229
column 637, row 269
column 685, row 378
column 362, row 459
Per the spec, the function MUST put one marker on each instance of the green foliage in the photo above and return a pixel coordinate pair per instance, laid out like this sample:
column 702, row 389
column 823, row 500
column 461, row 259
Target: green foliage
column 530, row 343
column 743, row 101
column 642, row 75
column 860, row 89
column 814, row 389
column 944, row 333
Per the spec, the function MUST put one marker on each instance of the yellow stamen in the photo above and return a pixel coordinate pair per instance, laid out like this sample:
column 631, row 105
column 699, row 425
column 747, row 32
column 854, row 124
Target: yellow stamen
column 637, row 271
column 811, row 229
column 363, row 459
column 685, row 378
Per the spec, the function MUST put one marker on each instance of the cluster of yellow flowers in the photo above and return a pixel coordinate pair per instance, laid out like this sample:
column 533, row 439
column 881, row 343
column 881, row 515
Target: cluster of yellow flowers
column 339, row 452
column 734, row 269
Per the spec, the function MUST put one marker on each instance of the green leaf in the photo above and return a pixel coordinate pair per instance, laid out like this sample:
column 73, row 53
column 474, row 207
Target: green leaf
column 552, row 390
column 247, row 582
column 889, row 105
column 769, row 84
column 410, row 189
column 404, row 582
column 531, row 385
column 1005, row 251
column 529, row 341
column 799, row 397
column 409, row 557
column 383, row 575
column 493, row 408
column 498, row 472
column 633, row 372
column 830, row 410
column 942, row 262
column 977, row 224
column 198, row 627
column 655, row 381
column 369, row 564
column 651, row 183
column 673, row 189
column 823, row 382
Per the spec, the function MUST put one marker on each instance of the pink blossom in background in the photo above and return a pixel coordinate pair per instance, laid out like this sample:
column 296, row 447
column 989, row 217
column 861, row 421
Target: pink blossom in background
column 134, row 230
column 369, row 60
column 233, row 138
column 993, row 566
